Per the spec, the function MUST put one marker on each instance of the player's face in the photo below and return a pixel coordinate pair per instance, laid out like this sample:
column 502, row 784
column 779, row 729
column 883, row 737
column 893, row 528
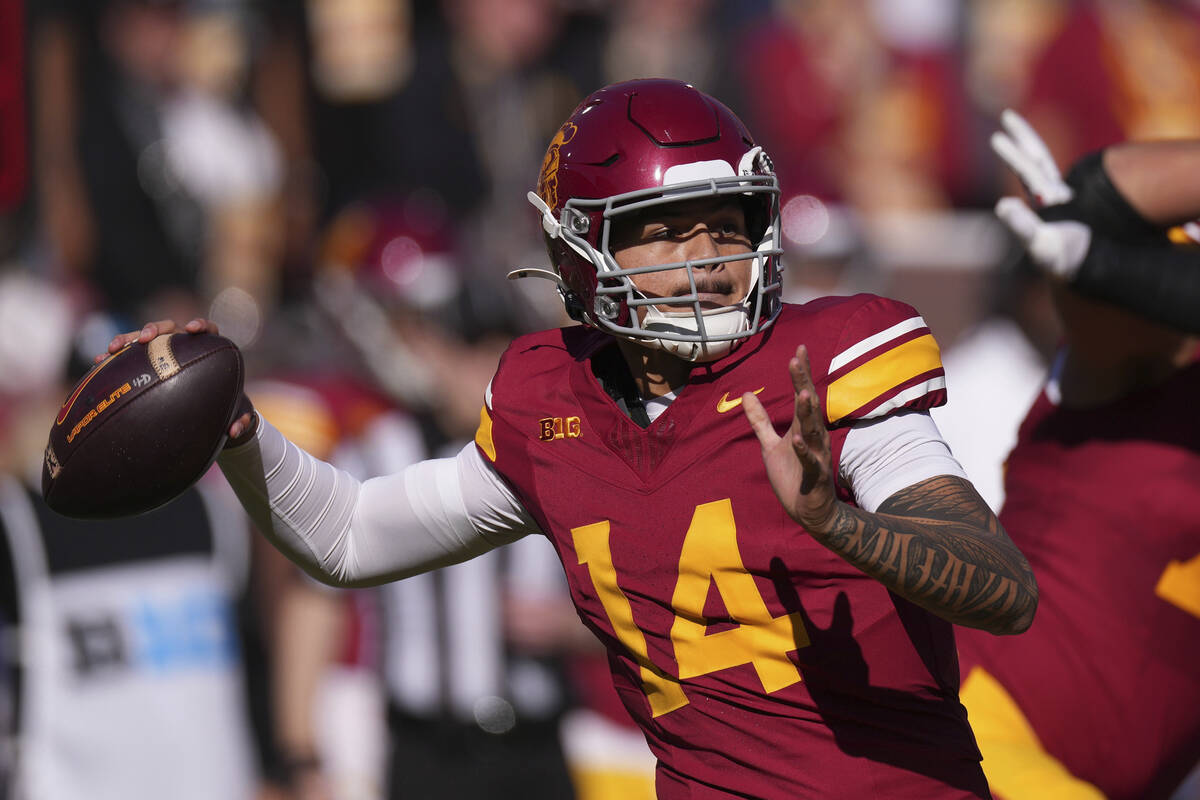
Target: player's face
column 688, row 231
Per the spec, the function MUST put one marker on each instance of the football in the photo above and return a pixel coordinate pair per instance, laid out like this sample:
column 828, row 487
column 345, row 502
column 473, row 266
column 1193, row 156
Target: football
column 142, row 426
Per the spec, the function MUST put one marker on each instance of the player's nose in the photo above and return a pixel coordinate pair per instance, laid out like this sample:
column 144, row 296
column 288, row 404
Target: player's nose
column 703, row 244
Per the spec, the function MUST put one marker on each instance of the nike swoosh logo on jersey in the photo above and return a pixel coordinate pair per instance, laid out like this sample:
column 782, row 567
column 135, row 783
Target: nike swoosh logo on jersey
column 725, row 404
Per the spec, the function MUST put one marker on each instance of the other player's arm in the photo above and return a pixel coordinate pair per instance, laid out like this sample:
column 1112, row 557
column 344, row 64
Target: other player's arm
column 1157, row 179
column 935, row 543
column 348, row 533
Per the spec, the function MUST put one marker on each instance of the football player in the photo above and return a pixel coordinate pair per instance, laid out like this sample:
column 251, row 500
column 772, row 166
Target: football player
column 754, row 511
column 1101, row 698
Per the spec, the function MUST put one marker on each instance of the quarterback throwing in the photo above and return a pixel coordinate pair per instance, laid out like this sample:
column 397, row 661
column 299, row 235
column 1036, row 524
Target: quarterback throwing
column 753, row 509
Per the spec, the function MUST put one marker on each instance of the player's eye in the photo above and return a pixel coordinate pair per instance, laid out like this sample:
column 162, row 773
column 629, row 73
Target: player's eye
column 732, row 228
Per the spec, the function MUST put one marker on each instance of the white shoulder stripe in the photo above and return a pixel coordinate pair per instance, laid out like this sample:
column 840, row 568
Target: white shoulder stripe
column 871, row 342
column 487, row 395
column 908, row 395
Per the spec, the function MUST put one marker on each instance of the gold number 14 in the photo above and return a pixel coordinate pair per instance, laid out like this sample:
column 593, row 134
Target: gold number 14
column 710, row 556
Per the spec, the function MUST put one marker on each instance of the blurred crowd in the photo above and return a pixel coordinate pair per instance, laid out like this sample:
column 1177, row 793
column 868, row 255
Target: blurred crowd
column 340, row 184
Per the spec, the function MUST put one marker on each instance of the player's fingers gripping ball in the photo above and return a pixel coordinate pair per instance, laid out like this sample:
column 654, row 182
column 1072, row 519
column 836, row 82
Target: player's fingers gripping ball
column 142, row 426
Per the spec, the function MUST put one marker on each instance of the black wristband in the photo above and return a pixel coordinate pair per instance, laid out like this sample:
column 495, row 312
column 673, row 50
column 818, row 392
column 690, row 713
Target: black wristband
column 1158, row 282
column 1100, row 205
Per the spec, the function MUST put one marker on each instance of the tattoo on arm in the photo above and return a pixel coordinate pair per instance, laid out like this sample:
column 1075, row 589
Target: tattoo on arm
column 937, row 544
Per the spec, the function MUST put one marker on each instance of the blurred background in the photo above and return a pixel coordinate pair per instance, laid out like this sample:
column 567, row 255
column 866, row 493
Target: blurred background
column 340, row 184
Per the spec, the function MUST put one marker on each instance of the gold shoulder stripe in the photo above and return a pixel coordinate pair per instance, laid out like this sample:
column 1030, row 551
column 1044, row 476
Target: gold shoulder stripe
column 162, row 358
column 875, row 341
column 483, row 436
column 886, row 371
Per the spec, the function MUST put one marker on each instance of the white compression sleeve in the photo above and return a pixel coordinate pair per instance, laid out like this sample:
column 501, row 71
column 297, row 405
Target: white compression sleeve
column 881, row 457
column 351, row 533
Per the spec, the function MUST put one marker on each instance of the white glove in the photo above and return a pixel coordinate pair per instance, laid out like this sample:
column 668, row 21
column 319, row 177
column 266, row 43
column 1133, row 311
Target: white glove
column 1019, row 146
column 1057, row 247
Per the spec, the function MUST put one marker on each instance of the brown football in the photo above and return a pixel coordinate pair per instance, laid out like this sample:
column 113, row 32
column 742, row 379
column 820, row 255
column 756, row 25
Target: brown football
column 142, row 426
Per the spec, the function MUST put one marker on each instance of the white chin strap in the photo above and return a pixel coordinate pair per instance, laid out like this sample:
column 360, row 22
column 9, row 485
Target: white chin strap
column 717, row 322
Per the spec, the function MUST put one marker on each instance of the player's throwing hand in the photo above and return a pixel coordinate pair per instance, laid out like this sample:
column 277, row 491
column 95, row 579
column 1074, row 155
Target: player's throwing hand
column 243, row 426
column 799, row 462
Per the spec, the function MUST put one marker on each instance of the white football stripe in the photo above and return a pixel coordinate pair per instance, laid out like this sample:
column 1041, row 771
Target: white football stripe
column 909, row 394
column 871, row 342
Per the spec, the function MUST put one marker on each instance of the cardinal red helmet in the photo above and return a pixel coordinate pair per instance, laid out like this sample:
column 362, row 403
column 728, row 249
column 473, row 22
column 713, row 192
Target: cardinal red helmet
column 637, row 144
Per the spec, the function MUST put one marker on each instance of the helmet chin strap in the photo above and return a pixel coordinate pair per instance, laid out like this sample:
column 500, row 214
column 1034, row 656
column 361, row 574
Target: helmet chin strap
column 724, row 321
column 717, row 321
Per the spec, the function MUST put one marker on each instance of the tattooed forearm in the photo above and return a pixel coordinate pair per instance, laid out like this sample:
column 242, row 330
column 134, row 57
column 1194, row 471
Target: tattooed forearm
column 938, row 545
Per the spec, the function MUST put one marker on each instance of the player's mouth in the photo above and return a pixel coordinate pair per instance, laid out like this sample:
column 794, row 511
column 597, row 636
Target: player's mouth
column 710, row 293
column 714, row 301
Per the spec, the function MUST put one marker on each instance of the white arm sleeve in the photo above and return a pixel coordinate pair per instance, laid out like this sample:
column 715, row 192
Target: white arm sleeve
column 350, row 533
column 881, row 457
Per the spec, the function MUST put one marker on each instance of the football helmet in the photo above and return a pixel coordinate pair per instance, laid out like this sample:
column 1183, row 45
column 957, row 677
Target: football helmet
column 637, row 144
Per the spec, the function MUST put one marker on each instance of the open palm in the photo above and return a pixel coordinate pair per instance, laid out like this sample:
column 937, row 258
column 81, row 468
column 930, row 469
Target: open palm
column 799, row 463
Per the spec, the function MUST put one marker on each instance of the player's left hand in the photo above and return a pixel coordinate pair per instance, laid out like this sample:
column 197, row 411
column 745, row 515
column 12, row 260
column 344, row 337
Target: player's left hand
column 799, row 463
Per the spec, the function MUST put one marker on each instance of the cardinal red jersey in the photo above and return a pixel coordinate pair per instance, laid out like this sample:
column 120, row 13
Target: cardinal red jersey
column 757, row 662
column 1105, row 504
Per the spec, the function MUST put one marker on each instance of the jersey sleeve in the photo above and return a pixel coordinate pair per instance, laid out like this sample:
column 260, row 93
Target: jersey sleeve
column 533, row 366
column 882, row 456
column 885, row 360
